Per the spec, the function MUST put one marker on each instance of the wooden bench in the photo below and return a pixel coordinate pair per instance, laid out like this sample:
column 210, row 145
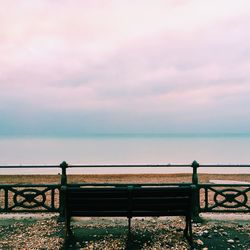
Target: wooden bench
column 129, row 201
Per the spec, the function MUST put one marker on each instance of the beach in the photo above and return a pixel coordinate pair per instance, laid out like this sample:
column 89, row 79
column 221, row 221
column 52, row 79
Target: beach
column 133, row 178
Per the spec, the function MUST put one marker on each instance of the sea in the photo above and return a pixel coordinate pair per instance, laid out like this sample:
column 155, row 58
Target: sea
column 126, row 149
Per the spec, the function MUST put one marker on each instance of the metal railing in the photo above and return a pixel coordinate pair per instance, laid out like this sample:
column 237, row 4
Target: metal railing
column 48, row 197
column 30, row 198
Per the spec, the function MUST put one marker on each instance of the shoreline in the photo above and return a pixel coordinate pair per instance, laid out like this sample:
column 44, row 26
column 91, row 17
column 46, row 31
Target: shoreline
column 107, row 170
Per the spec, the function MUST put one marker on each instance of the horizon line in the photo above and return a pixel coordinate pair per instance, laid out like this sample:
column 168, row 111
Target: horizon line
column 128, row 134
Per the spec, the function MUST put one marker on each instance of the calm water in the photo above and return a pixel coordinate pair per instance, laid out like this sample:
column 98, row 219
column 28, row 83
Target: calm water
column 223, row 149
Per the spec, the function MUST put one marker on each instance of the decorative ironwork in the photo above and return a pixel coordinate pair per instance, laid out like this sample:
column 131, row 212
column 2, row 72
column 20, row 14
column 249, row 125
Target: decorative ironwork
column 23, row 198
column 49, row 198
column 29, row 198
column 231, row 198
column 224, row 198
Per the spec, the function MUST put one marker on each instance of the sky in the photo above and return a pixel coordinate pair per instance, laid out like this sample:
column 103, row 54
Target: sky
column 144, row 66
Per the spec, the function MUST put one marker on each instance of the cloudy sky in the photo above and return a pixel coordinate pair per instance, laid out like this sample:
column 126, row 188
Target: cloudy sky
column 79, row 67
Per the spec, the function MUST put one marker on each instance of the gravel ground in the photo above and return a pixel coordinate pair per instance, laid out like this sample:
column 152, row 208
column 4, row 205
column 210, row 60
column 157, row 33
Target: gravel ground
column 31, row 234
column 107, row 233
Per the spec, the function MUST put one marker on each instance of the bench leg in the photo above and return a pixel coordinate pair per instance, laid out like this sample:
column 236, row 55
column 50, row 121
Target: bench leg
column 185, row 232
column 188, row 232
column 128, row 243
column 68, row 232
column 129, row 226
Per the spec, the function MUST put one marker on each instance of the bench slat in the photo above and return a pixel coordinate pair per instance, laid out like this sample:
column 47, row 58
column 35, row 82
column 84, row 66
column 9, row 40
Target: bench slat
column 122, row 213
column 135, row 199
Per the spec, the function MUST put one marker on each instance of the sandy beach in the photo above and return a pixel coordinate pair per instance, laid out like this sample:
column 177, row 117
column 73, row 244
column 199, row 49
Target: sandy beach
column 133, row 178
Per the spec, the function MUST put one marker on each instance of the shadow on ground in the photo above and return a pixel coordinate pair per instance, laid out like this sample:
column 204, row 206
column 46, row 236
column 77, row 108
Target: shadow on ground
column 111, row 238
column 147, row 235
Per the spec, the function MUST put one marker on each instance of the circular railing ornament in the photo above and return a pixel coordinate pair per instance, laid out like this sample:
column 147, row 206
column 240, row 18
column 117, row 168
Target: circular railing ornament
column 29, row 198
column 232, row 198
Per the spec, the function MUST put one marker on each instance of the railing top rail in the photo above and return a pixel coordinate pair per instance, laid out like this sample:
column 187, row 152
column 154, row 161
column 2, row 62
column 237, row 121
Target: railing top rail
column 30, row 166
column 128, row 165
column 224, row 165
column 168, row 165
column 100, row 166
column 157, row 165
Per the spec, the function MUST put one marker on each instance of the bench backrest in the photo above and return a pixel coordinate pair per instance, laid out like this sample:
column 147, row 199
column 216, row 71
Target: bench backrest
column 129, row 201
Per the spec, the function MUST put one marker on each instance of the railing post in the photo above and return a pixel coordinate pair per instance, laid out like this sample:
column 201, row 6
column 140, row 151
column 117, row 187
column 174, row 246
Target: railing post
column 196, row 197
column 61, row 217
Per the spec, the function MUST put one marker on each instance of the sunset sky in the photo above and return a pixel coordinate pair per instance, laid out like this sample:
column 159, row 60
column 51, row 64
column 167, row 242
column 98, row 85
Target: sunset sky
column 80, row 67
